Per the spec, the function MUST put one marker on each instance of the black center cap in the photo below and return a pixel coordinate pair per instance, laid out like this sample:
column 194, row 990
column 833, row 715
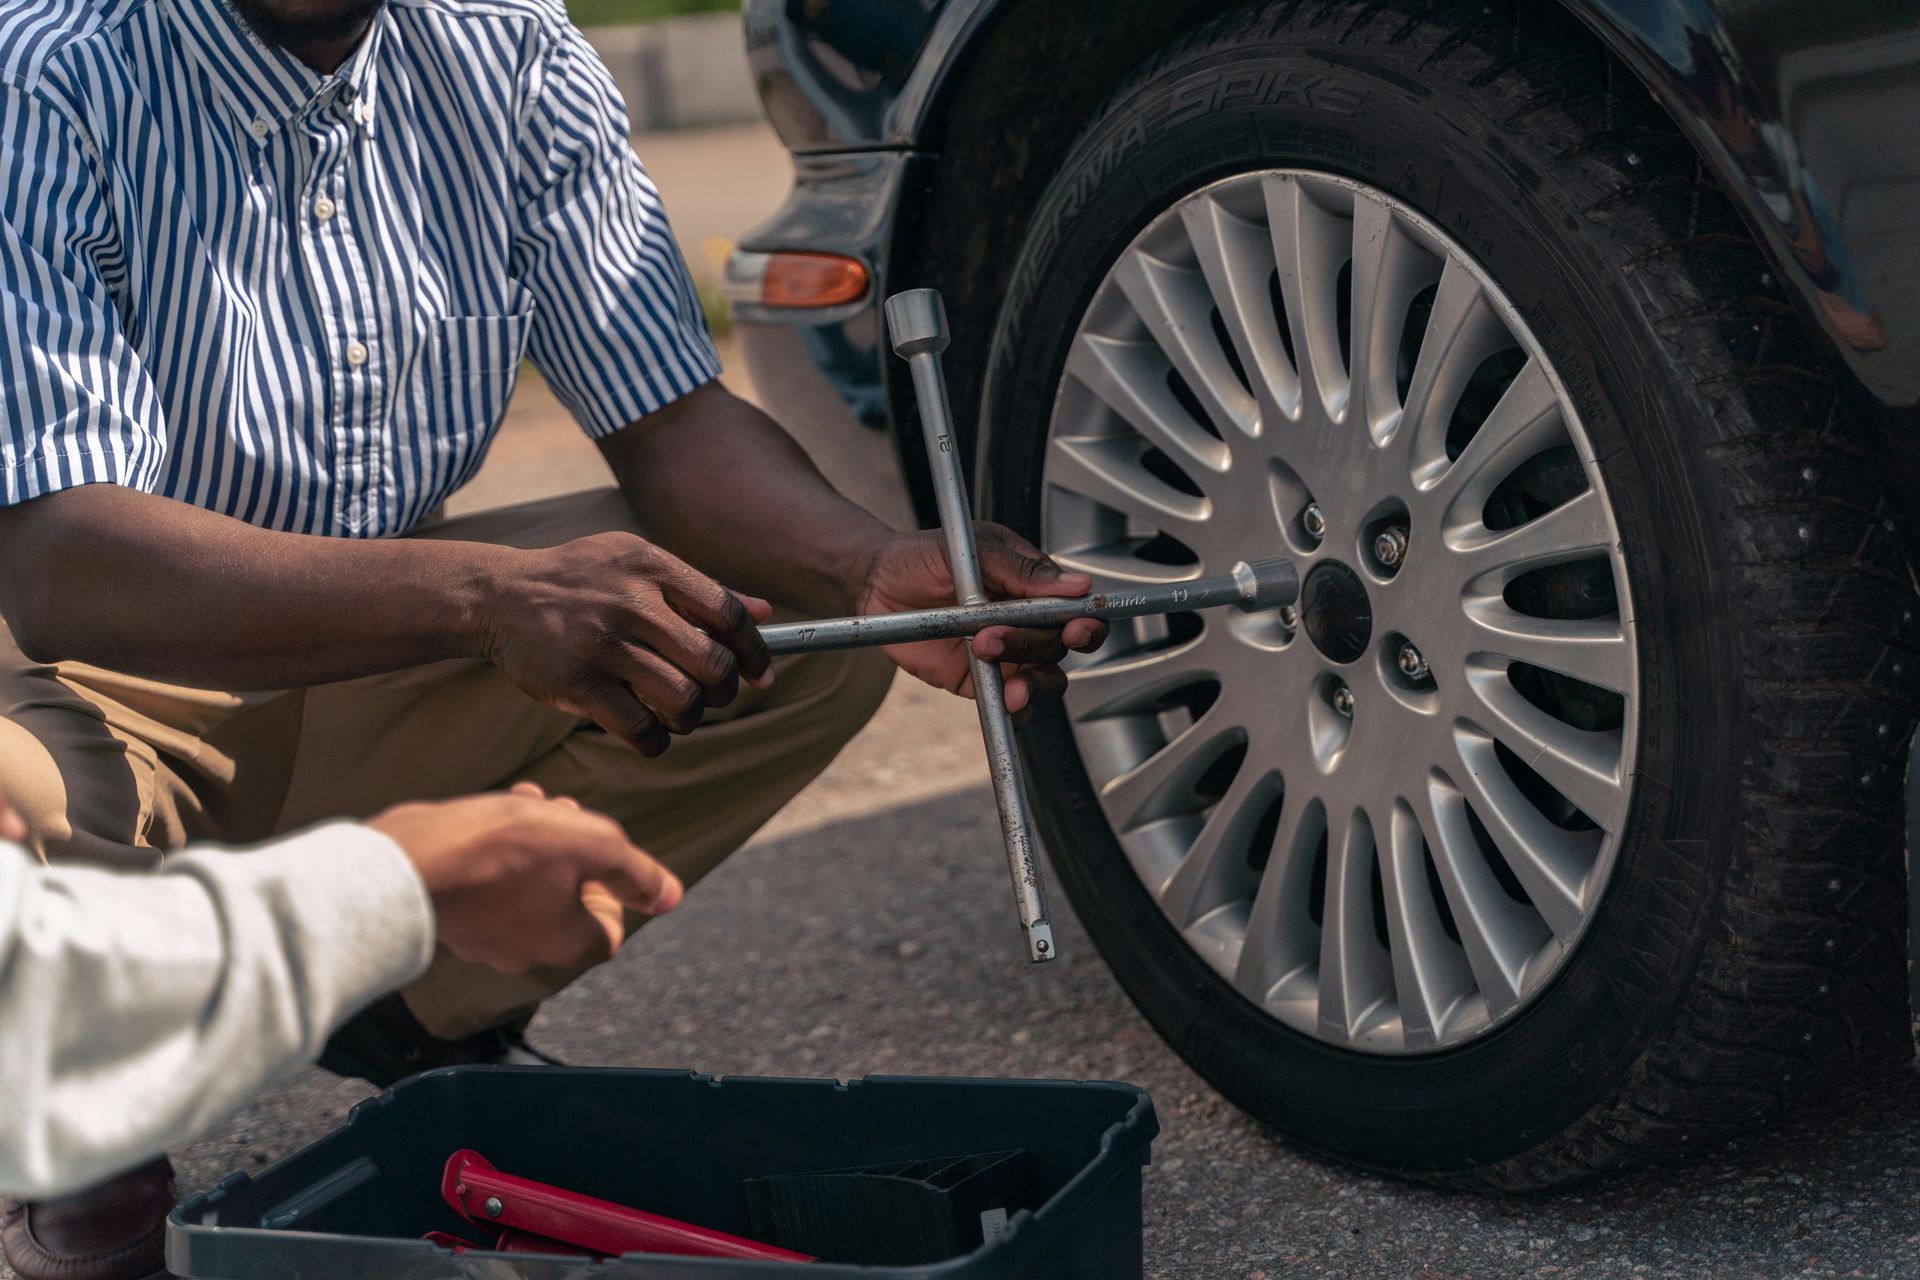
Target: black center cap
column 1334, row 605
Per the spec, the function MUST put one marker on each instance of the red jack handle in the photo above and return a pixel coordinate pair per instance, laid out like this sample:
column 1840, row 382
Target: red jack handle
column 487, row 1197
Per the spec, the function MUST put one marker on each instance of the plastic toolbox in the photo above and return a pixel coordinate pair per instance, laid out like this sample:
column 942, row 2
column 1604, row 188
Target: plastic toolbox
column 355, row 1204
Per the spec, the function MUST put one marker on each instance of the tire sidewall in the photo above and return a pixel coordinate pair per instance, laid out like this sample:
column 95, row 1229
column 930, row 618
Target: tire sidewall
column 1211, row 113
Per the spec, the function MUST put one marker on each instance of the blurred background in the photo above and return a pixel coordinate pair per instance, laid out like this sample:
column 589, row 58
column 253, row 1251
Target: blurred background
column 587, row 14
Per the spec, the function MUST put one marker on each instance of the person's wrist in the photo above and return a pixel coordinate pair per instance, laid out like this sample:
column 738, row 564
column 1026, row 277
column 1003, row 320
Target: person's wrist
column 862, row 565
column 392, row 824
column 483, row 591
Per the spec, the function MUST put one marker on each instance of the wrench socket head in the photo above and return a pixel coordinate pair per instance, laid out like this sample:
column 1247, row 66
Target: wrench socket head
column 917, row 320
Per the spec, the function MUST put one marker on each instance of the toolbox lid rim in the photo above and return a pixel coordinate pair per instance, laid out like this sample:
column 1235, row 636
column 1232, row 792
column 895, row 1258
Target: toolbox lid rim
column 1026, row 1231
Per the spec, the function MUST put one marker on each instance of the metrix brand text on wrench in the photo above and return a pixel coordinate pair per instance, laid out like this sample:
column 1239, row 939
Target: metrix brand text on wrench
column 918, row 323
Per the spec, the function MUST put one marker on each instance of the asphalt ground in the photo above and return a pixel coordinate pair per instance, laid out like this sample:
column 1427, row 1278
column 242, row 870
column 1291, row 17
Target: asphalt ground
column 870, row 930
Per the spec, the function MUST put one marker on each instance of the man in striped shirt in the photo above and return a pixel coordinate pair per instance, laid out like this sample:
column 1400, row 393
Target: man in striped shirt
column 268, row 270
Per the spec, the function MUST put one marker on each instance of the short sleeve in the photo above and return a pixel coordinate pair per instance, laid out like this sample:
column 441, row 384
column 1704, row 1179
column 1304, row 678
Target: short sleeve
column 617, row 327
column 76, row 405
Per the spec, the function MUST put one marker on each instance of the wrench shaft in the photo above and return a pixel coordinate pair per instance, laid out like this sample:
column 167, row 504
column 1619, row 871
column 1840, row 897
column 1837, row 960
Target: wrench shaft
column 918, row 324
column 1264, row 584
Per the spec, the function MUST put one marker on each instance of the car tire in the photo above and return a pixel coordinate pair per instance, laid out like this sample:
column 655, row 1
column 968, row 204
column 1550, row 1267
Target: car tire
column 1749, row 942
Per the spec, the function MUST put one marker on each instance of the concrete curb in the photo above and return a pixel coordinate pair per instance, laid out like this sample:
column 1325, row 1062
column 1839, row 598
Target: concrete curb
column 680, row 72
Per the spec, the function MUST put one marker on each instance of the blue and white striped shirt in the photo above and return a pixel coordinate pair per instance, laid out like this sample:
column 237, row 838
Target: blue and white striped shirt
column 302, row 300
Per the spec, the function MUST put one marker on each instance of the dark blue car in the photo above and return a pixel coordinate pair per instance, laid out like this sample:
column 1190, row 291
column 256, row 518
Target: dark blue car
column 1571, row 348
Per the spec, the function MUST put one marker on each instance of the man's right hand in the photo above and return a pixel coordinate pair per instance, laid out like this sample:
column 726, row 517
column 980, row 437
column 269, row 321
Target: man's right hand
column 519, row 882
column 615, row 629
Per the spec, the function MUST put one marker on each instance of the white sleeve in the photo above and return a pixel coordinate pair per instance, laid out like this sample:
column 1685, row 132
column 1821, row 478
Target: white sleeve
column 137, row 1009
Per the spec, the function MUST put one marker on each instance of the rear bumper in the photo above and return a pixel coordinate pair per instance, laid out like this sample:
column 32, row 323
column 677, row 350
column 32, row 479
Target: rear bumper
column 822, row 371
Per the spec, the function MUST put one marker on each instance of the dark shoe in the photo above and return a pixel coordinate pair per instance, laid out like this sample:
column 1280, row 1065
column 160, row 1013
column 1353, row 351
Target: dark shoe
column 384, row 1044
column 115, row 1230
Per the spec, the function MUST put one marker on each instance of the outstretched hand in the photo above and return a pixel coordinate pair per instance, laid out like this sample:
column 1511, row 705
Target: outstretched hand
column 519, row 881
column 910, row 572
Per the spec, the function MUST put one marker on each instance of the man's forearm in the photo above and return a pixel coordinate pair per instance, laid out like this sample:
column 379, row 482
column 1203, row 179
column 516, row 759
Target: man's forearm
column 719, row 484
column 148, row 586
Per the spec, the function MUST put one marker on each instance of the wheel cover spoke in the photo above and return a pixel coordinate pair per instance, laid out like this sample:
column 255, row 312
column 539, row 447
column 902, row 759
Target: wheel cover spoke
column 1389, row 271
column 1216, row 863
column 1279, row 937
column 1177, row 307
column 1579, row 528
column 1165, row 780
column 1461, row 331
column 1131, row 378
column 1401, row 875
column 1583, row 765
column 1490, row 924
column 1133, row 681
column 1549, row 863
column 1356, row 974
column 1430, row 968
column 1309, row 247
column 1595, row 650
column 1236, row 257
column 1525, row 420
column 1110, row 473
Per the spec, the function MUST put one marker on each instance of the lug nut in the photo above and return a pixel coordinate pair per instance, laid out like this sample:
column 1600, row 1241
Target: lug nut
column 1343, row 700
column 1289, row 617
column 1315, row 520
column 1413, row 665
column 1390, row 548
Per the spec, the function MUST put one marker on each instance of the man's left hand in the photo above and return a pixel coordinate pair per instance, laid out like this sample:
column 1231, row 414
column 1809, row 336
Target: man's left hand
column 910, row 572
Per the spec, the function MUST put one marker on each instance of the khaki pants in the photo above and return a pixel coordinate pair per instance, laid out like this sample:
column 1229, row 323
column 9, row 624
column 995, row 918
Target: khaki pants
column 115, row 769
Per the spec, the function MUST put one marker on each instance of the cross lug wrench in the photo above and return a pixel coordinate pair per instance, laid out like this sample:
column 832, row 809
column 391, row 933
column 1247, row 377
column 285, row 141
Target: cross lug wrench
column 917, row 321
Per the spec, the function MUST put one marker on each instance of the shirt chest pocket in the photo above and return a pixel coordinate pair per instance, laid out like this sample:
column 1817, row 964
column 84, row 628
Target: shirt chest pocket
column 467, row 371
column 463, row 380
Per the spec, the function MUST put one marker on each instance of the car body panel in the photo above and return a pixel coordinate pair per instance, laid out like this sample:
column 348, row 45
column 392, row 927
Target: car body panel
column 1809, row 114
column 855, row 75
column 1772, row 93
column 822, row 368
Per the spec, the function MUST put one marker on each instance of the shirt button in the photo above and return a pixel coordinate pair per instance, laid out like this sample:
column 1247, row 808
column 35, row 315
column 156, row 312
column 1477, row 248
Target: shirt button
column 259, row 128
column 356, row 354
column 363, row 112
column 324, row 208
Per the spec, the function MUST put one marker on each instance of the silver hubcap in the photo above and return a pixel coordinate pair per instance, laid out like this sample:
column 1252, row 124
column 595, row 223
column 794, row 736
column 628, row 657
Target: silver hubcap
column 1387, row 815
